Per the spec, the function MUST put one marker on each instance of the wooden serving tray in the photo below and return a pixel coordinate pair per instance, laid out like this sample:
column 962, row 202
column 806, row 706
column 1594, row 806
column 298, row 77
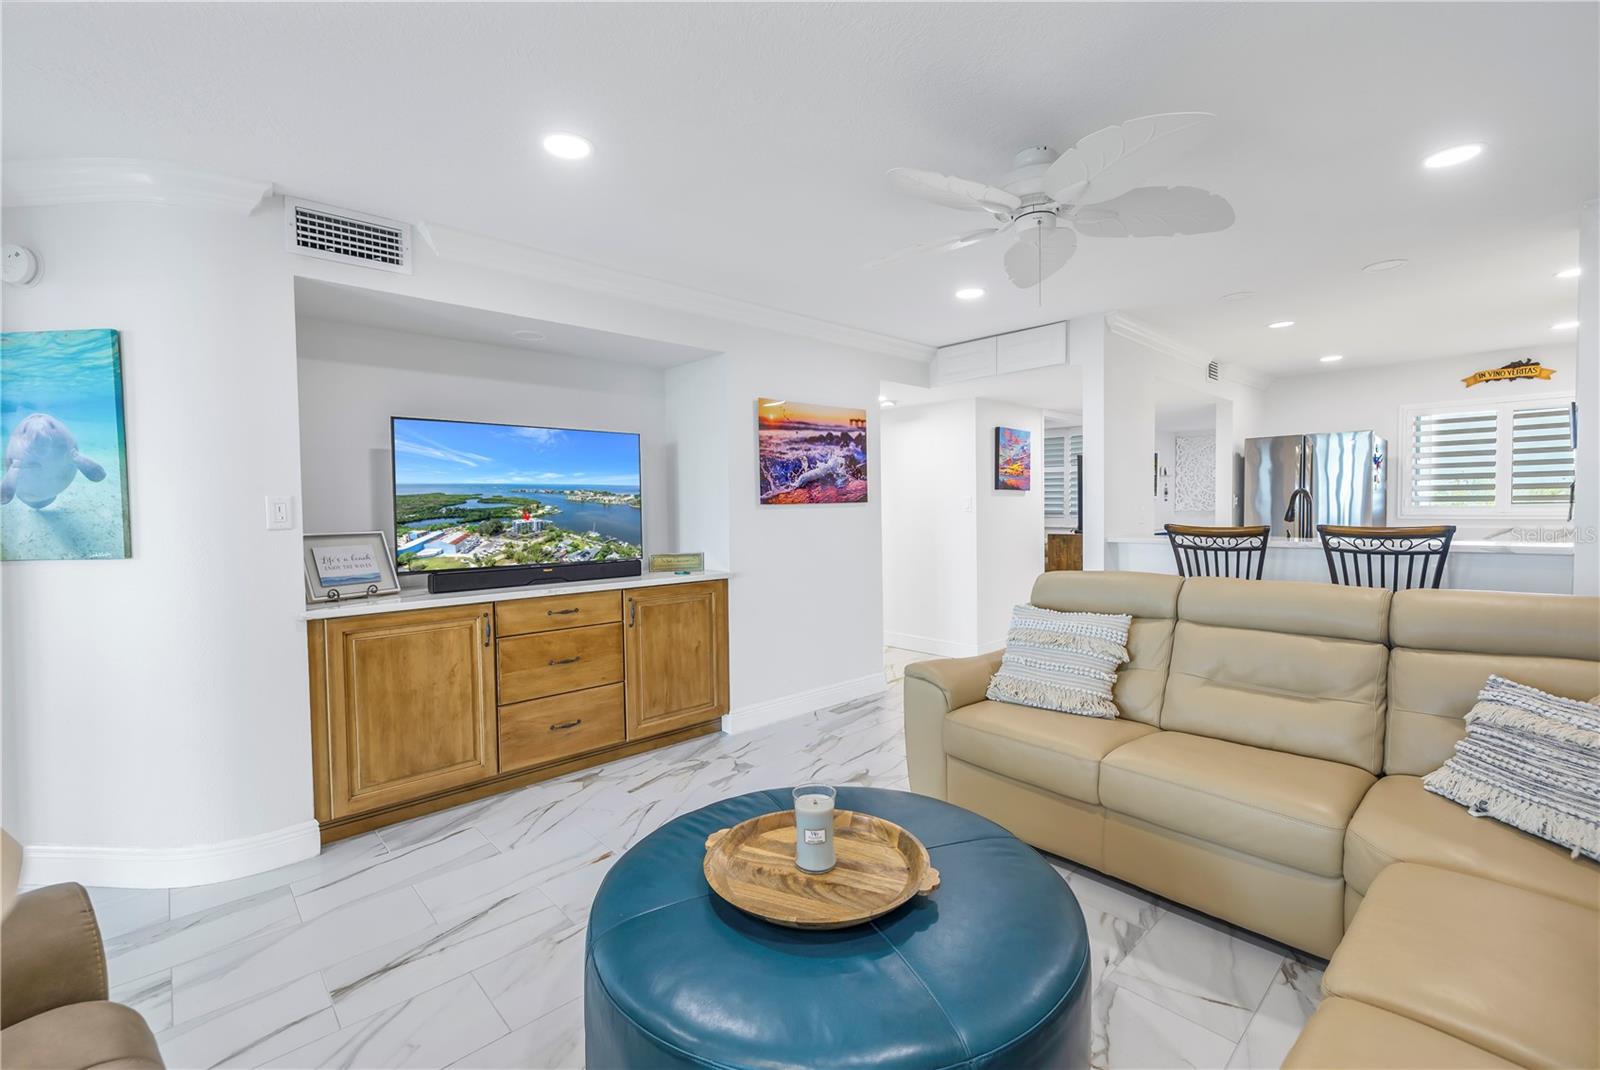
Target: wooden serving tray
column 879, row 866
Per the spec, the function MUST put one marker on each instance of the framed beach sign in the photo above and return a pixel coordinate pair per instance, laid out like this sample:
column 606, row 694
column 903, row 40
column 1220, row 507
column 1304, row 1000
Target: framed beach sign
column 357, row 565
column 64, row 493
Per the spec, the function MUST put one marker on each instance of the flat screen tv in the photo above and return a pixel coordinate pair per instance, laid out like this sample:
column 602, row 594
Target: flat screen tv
column 494, row 505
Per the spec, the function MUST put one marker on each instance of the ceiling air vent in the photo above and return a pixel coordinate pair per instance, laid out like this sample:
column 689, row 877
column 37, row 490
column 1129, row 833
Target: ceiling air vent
column 1212, row 370
column 329, row 233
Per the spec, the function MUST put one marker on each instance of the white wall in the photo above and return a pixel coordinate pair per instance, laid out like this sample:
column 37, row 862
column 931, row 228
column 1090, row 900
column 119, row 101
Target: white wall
column 958, row 553
column 930, row 531
column 352, row 379
column 159, row 703
column 1010, row 536
column 1370, row 398
column 156, row 710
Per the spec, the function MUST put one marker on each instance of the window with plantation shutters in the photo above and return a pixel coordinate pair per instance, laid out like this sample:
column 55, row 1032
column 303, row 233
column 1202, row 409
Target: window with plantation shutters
column 1509, row 457
column 1542, row 465
column 1453, row 459
column 1061, row 476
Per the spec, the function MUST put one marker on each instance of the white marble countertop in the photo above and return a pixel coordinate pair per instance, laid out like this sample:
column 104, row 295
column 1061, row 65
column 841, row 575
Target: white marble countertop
column 1457, row 546
column 421, row 599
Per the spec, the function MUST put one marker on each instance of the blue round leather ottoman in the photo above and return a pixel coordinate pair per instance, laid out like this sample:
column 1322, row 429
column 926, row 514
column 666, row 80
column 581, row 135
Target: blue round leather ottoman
column 991, row 970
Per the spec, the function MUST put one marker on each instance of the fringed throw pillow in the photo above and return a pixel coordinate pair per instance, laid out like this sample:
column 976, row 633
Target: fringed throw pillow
column 1062, row 661
column 1530, row 760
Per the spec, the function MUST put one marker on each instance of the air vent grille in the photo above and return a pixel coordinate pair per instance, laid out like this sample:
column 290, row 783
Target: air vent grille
column 1213, row 371
column 348, row 237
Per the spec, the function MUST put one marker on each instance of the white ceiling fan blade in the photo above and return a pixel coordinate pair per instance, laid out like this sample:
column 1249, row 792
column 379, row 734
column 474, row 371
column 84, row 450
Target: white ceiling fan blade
column 954, row 192
column 960, row 241
column 1039, row 253
column 1112, row 161
column 1155, row 212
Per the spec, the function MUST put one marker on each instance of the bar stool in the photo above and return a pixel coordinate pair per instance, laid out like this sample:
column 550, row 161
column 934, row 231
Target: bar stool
column 1373, row 557
column 1239, row 553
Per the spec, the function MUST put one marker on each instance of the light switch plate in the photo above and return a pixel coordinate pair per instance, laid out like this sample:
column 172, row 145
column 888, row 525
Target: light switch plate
column 280, row 514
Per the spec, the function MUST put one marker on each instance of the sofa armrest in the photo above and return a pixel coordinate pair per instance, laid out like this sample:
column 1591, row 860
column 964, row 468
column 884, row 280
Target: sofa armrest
column 932, row 690
column 50, row 953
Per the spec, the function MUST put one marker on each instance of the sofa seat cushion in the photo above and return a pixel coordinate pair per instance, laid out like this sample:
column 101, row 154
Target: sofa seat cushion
column 1502, row 968
column 1346, row 1035
column 1281, row 807
column 1400, row 821
column 1054, row 751
column 108, row 1036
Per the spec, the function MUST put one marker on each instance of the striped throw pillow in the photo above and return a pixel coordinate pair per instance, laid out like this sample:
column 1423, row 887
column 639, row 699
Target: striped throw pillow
column 1530, row 760
column 1062, row 661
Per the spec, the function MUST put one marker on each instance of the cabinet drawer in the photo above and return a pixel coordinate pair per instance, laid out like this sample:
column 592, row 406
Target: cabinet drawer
column 557, row 611
column 547, row 729
column 548, row 663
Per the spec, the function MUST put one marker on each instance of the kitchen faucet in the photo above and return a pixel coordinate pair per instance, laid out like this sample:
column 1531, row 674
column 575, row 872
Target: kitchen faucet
column 1307, row 515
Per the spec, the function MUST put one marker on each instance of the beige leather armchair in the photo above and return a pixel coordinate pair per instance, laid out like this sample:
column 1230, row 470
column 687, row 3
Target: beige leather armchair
column 54, row 1014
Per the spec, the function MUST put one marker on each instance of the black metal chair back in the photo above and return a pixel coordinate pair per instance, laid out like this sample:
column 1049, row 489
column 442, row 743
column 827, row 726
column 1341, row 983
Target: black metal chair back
column 1396, row 558
column 1239, row 553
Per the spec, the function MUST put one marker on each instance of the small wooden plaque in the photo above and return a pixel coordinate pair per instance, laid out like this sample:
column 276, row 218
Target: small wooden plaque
column 879, row 866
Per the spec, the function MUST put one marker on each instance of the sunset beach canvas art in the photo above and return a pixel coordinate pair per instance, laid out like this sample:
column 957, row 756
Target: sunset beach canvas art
column 811, row 454
column 1013, row 459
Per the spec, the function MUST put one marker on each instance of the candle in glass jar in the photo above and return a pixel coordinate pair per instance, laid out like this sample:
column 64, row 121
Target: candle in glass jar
column 813, row 827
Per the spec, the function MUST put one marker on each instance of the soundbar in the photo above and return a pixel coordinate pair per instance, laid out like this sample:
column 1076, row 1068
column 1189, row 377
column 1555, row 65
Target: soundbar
column 465, row 579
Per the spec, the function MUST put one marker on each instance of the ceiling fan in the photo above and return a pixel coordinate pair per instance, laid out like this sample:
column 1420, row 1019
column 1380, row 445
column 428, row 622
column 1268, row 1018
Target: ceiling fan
column 1048, row 199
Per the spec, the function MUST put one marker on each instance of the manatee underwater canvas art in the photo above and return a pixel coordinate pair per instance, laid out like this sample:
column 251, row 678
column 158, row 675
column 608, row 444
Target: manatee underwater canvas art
column 64, row 489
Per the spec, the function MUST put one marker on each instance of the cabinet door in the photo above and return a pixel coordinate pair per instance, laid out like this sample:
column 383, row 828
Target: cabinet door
column 411, row 705
column 963, row 361
column 676, row 643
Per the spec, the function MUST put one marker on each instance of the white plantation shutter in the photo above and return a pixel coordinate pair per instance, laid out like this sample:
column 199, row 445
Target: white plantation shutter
column 1074, row 451
column 1542, row 468
column 1506, row 458
column 1453, row 459
column 1055, row 476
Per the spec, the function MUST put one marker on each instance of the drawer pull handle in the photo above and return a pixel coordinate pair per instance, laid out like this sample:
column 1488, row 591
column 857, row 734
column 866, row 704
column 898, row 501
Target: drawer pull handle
column 559, row 612
column 565, row 661
column 566, row 724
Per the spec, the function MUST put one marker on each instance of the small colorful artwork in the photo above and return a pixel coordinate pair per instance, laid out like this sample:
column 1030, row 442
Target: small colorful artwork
column 64, row 493
column 811, row 454
column 1013, row 459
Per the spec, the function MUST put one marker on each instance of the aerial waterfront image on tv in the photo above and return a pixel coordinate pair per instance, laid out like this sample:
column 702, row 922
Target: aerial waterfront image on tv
column 471, row 495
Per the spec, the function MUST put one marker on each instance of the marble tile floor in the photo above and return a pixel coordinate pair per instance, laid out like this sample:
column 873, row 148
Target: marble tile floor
column 456, row 939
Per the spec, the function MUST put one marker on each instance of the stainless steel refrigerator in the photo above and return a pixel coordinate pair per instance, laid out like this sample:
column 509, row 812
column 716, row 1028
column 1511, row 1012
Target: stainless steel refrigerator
column 1292, row 483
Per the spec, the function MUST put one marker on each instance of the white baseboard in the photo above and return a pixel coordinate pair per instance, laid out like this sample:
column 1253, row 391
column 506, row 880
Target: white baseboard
column 169, row 867
column 760, row 714
column 940, row 648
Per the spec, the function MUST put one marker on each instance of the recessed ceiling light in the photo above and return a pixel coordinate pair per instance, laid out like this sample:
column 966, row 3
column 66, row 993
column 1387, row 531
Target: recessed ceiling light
column 1564, row 325
column 885, row 403
column 1385, row 265
column 1237, row 295
column 1457, row 154
column 1280, row 325
column 567, row 146
column 527, row 336
column 969, row 293
column 1569, row 273
column 1331, row 357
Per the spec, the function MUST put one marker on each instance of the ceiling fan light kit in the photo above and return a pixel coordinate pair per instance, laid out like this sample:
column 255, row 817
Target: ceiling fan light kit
column 1048, row 199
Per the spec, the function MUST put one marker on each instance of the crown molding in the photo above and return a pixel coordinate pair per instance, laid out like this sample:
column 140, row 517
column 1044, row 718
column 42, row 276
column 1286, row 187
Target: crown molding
column 1138, row 331
column 480, row 251
column 102, row 180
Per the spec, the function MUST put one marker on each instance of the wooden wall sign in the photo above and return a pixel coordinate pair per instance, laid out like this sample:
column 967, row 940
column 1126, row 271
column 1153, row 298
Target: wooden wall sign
column 1517, row 369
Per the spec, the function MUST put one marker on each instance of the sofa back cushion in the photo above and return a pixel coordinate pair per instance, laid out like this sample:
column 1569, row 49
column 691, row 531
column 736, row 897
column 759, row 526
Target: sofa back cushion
column 1448, row 643
column 1151, row 600
column 1295, row 667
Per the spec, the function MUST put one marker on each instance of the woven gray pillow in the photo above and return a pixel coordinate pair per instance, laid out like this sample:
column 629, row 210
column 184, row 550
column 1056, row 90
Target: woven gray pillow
column 1531, row 760
column 1062, row 661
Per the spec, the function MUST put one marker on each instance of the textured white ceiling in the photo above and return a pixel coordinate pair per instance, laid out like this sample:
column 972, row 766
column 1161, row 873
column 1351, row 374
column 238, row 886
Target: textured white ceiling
column 741, row 148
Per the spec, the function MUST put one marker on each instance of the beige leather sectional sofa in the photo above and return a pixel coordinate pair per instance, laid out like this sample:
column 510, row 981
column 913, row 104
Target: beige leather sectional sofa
column 1266, row 769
